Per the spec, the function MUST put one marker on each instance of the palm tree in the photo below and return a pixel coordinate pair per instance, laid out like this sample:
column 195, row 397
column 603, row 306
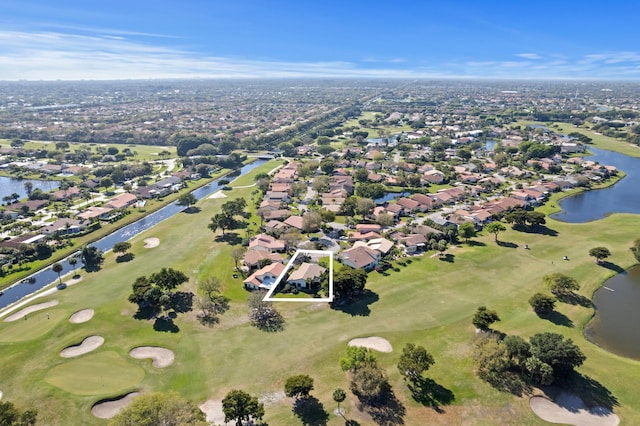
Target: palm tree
column 57, row 268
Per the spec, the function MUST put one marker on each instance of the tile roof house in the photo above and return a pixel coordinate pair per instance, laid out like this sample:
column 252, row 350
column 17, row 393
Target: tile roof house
column 266, row 242
column 306, row 273
column 360, row 258
column 122, row 201
column 264, row 277
column 252, row 258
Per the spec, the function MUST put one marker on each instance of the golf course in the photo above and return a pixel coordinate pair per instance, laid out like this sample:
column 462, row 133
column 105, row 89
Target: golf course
column 425, row 300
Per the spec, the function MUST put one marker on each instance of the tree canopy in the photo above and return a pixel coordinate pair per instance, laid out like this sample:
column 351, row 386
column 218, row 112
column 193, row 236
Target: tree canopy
column 348, row 282
column 542, row 303
column 560, row 284
column 298, row 386
column 484, row 317
column 241, row 407
column 414, row 361
column 495, row 228
column 599, row 253
column 12, row 416
column 159, row 408
column 559, row 353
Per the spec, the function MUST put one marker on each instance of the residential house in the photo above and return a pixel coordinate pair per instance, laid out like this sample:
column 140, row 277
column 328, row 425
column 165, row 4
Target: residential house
column 266, row 243
column 360, row 258
column 264, row 277
column 64, row 227
column 252, row 258
column 122, row 201
column 381, row 245
column 306, row 274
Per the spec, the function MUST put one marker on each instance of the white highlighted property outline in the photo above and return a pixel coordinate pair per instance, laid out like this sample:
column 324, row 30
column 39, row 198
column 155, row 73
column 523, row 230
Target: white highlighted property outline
column 329, row 253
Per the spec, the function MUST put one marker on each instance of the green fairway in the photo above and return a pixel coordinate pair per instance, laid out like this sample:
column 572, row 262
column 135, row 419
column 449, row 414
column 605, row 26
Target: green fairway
column 95, row 374
column 429, row 301
column 34, row 325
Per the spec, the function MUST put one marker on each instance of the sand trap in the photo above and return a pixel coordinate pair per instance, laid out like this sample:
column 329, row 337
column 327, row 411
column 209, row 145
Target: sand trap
column 81, row 316
column 213, row 408
column 107, row 409
column 0, row 394
column 376, row 343
column 151, row 242
column 161, row 357
column 569, row 409
column 218, row 194
column 89, row 344
column 26, row 311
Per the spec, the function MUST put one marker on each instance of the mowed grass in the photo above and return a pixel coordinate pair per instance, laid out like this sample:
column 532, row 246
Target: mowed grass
column 34, row 325
column 143, row 152
column 95, row 374
column 429, row 302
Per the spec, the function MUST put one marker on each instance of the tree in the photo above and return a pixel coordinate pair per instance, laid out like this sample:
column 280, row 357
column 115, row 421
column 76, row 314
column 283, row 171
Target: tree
column 348, row 282
column 361, row 175
column 414, row 361
column 28, row 186
column 57, row 268
column 365, row 207
column 339, row 395
column 484, row 317
column 106, row 182
column 222, row 221
column 121, row 247
column 542, row 303
column 370, row 384
column 539, row 371
column 348, row 207
column 495, row 228
column 237, row 254
column 159, row 408
column 263, row 315
column 561, row 284
column 187, row 200
column 241, row 407
column 156, row 291
column 298, row 386
column 92, row 257
column 599, row 253
column 311, row 222
column 467, row 230
column 491, row 359
column 356, row 357
column 320, row 184
column 556, row 351
column 635, row 249
column 11, row 416
column 385, row 220
column 73, row 261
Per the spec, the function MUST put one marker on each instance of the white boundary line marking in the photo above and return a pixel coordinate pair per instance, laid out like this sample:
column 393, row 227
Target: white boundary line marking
column 329, row 253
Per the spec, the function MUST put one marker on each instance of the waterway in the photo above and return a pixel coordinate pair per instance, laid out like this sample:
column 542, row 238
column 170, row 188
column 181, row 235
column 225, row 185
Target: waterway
column 46, row 276
column 615, row 324
column 10, row 186
column 623, row 197
column 391, row 196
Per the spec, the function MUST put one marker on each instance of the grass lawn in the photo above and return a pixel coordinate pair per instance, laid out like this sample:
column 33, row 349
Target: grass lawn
column 429, row 302
column 95, row 374
column 36, row 324
column 144, row 152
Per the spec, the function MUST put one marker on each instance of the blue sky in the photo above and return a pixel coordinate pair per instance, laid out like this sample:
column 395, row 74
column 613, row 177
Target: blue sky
column 134, row 39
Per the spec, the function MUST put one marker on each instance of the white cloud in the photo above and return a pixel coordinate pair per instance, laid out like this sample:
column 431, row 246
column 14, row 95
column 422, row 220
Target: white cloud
column 107, row 55
column 533, row 56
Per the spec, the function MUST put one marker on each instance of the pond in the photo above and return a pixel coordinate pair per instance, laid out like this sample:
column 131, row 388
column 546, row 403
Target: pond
column 391, row 196
column 597, row 204
column 615, row 324
column 47, row 276
column 10, row 186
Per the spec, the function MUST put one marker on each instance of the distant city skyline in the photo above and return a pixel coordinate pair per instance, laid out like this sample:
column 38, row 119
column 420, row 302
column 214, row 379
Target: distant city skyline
column 140, row 39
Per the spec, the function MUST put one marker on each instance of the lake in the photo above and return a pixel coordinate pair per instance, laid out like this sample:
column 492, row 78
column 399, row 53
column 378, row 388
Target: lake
column 9, row 186
column 615, row 324
column 623, row 197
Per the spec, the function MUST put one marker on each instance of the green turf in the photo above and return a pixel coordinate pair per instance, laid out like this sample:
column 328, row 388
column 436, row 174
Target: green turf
column 35, row 325
column 95, row 374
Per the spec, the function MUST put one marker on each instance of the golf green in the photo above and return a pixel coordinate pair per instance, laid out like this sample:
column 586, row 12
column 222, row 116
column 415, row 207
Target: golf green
column 35, row 325
column 96, row 374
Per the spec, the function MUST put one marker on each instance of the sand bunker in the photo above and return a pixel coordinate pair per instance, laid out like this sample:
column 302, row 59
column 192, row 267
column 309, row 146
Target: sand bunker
column 89, row 344
column 376, row 343
column 26, row 311
column 81, row 316
column 161, row 357
column 569, row 409
column 0, row 394
column 108, row 408
column 151, row 242
column 213, row 410
column 218, row 194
